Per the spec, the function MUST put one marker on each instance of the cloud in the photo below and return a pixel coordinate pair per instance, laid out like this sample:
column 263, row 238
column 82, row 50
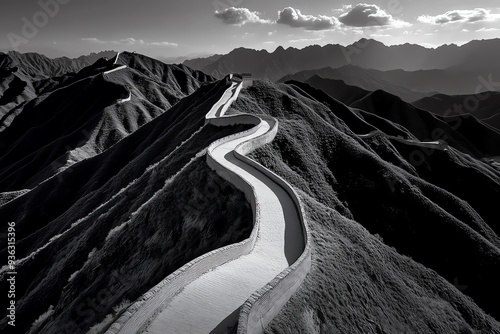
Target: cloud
column 240, row 16
column 461, row 15
column 305, row 40
column 380, row 35
column 92, row 40
column 366, row 15
column 342, row 10
column 170, row 44
column 129, row 41
column 248, row 35
column 484, row 29
column 294, row 18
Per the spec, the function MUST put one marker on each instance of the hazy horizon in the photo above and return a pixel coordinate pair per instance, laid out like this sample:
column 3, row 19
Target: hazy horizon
column 204, row 55
column 176, row 29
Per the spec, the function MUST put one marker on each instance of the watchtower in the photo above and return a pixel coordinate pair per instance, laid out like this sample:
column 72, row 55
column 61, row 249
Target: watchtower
column 247, row 79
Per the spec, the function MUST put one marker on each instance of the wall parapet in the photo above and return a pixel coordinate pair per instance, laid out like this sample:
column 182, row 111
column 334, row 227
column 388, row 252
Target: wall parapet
column 263, row 305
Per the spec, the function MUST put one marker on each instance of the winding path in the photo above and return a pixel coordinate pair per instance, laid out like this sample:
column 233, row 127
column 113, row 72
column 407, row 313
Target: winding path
column 438, row 145
column 206, row 295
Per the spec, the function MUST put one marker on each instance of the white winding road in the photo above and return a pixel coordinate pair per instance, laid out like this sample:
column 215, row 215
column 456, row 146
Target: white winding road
column 438, row 145
column 211, row 302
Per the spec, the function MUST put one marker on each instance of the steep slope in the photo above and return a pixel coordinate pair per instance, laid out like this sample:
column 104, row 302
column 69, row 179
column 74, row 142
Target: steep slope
column 83, row 116
column 493, row 121
column 39, row 66
column 337, row 89
column 388, row 245
column 105, row 230
column 23, row 76
column 458, row 131
column 199, row 63
column 15, row 89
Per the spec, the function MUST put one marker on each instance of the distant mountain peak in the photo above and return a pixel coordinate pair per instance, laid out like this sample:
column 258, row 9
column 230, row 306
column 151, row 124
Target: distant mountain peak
column 279, row 49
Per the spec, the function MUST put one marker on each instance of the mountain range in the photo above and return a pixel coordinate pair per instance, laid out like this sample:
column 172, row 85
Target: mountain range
column 103, row 170
column 24, row 75
column 410, row 86
column 472, row 59
column 484, row 107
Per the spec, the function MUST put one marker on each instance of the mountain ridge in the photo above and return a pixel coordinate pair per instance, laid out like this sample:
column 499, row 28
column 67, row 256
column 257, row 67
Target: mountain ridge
column 366, row 53
column 32, row 141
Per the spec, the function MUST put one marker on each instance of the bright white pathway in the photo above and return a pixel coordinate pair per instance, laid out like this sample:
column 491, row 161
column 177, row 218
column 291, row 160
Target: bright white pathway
column 211, row 303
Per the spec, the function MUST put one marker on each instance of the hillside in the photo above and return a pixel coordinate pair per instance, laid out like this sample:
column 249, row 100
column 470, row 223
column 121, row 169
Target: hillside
column 371, row 211
column 199, row 63
column 23, row 76
column 458, row 131
column 337, row 89
column 37, row 65
column 81, row 116
column 485, row 107
column 123, row 220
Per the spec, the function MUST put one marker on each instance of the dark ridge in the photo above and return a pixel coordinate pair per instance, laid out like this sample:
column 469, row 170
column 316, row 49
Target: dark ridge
column 484, row 107
column 338, row 89
column 353, row 121
column 77, row 116
column 460, row 132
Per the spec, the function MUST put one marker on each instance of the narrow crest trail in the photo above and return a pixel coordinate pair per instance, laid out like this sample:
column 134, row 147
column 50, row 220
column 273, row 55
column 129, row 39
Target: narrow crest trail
column 210, row 302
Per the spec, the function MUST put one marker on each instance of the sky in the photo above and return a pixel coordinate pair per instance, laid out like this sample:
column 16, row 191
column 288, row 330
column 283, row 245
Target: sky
column 166, row 28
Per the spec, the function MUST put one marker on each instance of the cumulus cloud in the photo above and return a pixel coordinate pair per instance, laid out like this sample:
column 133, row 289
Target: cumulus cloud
column 240, row 16
column 129, row 41
column 294, row 18
column 366, row 15
column 460, row 15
